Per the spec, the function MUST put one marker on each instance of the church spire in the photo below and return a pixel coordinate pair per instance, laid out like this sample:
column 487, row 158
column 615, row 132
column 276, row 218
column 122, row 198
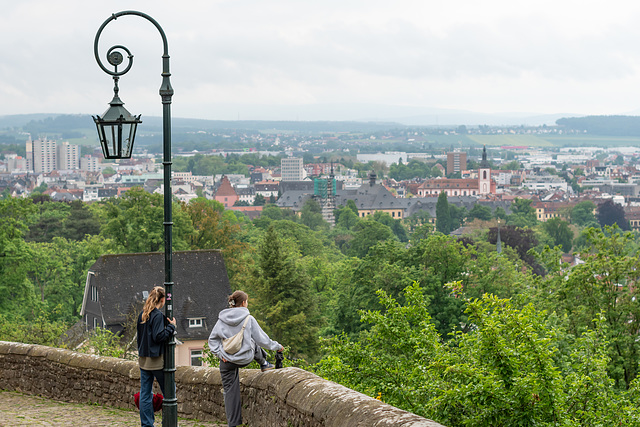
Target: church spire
column 484, row 164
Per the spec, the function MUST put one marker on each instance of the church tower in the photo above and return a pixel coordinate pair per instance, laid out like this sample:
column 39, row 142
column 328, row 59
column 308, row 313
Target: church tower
column 484, row 174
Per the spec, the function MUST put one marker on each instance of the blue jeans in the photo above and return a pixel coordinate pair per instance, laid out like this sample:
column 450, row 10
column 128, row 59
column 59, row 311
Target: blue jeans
column 146, row 395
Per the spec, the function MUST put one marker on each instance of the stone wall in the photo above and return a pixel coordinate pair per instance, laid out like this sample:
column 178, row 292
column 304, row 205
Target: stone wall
column 284, row 397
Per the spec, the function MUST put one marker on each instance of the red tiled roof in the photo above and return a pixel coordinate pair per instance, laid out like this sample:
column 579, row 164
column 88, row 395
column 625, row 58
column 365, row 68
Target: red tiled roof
column 225, row 188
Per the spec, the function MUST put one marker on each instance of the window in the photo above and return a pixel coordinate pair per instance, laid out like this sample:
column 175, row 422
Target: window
column 94, row 293
column 196, row 357
column 195, row 323
column 95, row 323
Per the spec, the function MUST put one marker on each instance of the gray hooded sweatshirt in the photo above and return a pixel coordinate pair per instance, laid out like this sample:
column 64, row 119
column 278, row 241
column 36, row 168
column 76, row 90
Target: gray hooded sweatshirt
column 229, row 323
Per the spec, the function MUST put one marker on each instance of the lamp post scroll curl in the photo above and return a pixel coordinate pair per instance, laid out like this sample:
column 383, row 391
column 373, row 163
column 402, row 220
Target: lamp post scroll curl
column 116, row 131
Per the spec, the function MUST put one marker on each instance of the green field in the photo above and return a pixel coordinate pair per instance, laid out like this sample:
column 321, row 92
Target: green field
column 512, row 140
column 549, row 141
column 593, row 140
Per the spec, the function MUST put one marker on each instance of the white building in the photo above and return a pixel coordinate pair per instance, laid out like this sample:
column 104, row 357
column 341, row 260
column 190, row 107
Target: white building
column 291, row 169
column 67, row 156
column 90, row 163
column 45, row 156
column 16, row 163
column 41, row 156
column 502, row 178
column 545, row 182
column 388, row 158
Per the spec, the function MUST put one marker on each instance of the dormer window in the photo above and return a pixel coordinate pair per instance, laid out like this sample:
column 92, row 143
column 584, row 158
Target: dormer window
column 196, row 322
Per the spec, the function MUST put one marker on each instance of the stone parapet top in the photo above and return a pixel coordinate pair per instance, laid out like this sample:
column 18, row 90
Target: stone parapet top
column 285, row 397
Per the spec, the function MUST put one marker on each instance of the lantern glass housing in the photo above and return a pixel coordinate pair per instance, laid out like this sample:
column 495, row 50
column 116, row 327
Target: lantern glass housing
column 117, row 131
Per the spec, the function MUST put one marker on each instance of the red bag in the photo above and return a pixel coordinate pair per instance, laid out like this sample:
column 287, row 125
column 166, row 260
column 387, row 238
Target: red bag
column 157, row 401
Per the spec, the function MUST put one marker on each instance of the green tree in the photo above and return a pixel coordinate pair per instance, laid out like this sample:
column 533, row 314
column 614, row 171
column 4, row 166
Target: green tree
column 80, row 222
column 134, row 223
column 311, row 215
column 560, row 232
column 603, row 286
column 500, row 213
column 366, row 234
column 512, row 165
column 284, row 298
column 347, row 219
column 437, row 261
column 516, row 368
column 48, row 222
column 352, row 205
column 443, row 214
column 583, row 215
column 214, row 229
column 41, row 328
column 523, row 213
column 381, row 269
column 394, row 224
column 457, row 215
column 480, row 212
column 270, row 213
column 15, row 288
column 387, row 361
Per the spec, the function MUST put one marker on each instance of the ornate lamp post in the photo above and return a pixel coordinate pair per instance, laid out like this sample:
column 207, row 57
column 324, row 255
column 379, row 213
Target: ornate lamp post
column 116, row 130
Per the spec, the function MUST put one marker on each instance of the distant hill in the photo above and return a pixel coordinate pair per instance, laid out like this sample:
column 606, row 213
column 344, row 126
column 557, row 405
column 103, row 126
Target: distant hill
column 38, row 124
column 19, row 120
column 265, row 125
column 603, row 125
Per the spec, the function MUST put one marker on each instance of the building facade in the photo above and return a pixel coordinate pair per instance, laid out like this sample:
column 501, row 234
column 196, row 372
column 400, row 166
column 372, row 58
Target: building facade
column 456, row 162
column 45, row 156
column 67, row 156
column 90, row 163
column 226, row 193
column 291, row 169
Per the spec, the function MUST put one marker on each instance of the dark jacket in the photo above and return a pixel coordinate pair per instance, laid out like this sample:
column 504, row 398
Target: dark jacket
column 153, row 334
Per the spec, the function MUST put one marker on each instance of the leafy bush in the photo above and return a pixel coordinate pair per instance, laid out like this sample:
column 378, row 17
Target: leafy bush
column 517, row 367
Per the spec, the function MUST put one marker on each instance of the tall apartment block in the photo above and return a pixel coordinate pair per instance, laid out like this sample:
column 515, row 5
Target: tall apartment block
column 291, row 169
column 456, row 162
column 45, row 156
column 68, row 156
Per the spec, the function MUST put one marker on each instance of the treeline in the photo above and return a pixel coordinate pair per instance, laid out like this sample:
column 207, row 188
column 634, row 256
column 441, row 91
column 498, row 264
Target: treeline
column 603, row 125
column 442, row 326
column 65, row 122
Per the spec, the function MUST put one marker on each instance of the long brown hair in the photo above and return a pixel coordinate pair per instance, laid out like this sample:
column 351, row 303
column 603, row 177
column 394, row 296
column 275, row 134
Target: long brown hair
column 156, row 294
column 237, row 298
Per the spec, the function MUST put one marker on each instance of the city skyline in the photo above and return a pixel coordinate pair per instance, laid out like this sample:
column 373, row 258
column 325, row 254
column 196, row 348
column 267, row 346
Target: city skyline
column 348, row 60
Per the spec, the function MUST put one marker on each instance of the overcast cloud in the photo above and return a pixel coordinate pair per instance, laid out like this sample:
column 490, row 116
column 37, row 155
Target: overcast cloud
column 255, row 59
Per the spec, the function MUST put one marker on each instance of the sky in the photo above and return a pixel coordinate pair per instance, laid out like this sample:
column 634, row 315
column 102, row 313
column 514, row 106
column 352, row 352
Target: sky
column 327, row 59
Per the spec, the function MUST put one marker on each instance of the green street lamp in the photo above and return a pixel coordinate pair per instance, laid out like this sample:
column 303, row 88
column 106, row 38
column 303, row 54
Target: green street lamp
column 116, row 130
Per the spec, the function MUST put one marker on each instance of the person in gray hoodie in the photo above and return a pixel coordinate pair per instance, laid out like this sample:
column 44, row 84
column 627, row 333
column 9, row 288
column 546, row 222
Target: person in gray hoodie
column 230, row 322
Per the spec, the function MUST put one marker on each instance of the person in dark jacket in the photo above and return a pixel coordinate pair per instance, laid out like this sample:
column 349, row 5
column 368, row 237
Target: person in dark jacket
column 153, row 333
column 231, row 321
